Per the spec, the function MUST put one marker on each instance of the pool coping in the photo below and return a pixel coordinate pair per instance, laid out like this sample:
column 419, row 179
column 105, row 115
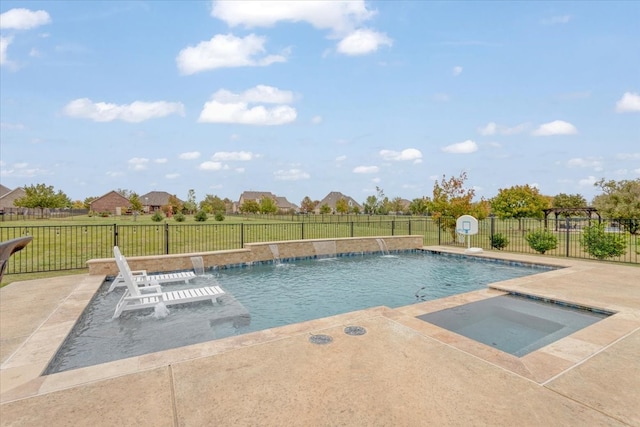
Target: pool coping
column 20, row 379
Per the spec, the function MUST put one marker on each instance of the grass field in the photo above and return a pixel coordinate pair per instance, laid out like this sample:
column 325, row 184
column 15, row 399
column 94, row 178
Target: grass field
column 65, row 244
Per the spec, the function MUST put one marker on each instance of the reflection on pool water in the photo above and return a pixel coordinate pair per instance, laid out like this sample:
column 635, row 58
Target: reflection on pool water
column 266, row 296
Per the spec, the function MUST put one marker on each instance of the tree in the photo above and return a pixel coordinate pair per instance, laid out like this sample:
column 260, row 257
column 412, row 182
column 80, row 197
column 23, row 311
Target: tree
column 370, row 205
column 249, row 206
column 307, row 205
column 600, row 244
column 519, row 201
column 397, row 205
column 42, row 196
column 450, row 201
column 136, row 204
column 620, row 202
column 419, row 206
column 325, row 209
column 268, row 206
column 212, row 204
column 190, row 205
column 175, row 203
column 571, row 201
column 77, row 204
column 87, row 202
column 342, row 206
column 124, row 192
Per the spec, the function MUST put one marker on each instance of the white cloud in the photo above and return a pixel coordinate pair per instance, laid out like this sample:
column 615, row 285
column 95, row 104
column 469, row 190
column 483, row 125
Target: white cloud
column 23, row 19
column 408, row 154
column 226, row 50
column 628, row 156
column 557, row 127
column 172, row 175
column 341, row 158
column 291, row 175
column 210, row 166
column 362, row 42
column 587, row 182
column 4, row 45
column 560, row 19
column 114, row 174
column 340, row 16
column 138, row 163
column 492, row 128
column 259, row 94
column 578, row 162
column 464, row 147
column 316, row 120
column 189, row 155
column 161, row 160
column 457, row 70
column 11, row 126
column 228, row 107
column 366, row 169
column 630, row 102
column 228, row 156
column 135, row 112
column 239, row 170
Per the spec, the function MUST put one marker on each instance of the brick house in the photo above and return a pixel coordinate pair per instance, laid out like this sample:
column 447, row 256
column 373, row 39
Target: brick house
column 155, row 200
column 332, row 198
column 112, row 202
column 281, row 202
column 7, row 199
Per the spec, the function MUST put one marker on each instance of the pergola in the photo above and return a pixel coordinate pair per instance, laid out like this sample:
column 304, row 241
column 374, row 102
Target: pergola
column 568, row 211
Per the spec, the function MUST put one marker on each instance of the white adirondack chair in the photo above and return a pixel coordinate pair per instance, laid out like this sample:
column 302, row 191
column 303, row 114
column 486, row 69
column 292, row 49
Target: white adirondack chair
column 141, row 278
column 137, row 297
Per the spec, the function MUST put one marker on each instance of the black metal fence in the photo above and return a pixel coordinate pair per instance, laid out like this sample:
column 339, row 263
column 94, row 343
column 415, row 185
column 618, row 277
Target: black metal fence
column 69, row 247
column 20, row 214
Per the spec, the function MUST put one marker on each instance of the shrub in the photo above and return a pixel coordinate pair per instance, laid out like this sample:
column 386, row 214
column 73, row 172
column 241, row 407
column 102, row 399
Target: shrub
column 600, row 244
column 105, row 214
column 541, row 241
column 157, row 216
column 179, row 217
column 201, row 216
column 219, row 216
column 499, row 241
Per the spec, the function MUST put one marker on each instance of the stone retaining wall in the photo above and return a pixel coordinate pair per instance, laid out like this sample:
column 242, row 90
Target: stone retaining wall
column 256, row 252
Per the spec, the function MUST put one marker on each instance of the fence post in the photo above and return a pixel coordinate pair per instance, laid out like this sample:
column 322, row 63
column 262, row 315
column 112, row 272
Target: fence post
column 409, row 227
column 439, row 231
column 493, row 228
column 242, row 235
column 115, row 235
column 393, row 227
column 567, row 234
column 352, row 228
column 166, row 238
column 302, row 228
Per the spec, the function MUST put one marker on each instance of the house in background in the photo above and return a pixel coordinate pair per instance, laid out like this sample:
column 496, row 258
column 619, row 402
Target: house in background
column 332, row 198
column 8, row 197
column 4, row 190
column 155, row 200
column 112, row 202
column 281, row 202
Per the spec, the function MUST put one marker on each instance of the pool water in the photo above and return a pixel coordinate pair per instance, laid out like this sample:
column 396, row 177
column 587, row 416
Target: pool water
column 266, row 296
column 514, row 324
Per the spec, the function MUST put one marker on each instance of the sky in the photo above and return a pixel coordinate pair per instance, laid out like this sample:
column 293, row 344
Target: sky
column 304, row 98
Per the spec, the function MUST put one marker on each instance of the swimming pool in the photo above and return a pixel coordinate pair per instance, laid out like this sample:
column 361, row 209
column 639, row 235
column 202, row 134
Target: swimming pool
column 266, row 296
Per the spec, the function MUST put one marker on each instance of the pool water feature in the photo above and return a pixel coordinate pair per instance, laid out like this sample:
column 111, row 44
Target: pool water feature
column 265, row 296
column 514, row 324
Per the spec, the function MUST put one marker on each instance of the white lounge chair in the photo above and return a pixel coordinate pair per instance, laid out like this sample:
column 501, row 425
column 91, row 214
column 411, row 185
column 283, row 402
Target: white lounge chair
column 137, row 297
column 141, row 278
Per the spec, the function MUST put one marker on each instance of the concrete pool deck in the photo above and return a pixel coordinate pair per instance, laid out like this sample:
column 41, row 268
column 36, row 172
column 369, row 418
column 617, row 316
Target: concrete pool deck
column 403, row 371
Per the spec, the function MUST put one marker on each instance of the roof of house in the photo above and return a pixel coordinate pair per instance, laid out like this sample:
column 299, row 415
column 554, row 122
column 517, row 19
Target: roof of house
column 283, row 203
column 256, row 195
column 332, row 198
column 156, row 198
column 110, row 193
column 4, row 190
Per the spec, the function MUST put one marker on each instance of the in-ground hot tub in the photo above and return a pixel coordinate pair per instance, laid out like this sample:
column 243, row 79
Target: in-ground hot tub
column 514, row 324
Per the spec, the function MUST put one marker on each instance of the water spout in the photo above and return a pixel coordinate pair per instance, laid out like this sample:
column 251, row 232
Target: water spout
column 276, row 254
column 325, row 250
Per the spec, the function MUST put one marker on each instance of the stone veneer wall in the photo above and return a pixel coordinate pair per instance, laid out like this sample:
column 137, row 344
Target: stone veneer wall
column 253, row 252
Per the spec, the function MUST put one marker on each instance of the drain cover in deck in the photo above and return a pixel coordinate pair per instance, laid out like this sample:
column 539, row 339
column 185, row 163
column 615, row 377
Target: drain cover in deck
column 320, row 339
column 355, row 330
